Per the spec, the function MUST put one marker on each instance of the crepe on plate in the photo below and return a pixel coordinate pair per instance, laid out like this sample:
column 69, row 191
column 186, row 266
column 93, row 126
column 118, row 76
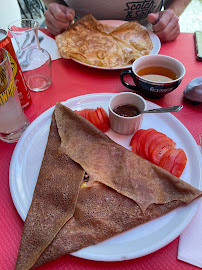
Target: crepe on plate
column 93, row 43
column 123, row 191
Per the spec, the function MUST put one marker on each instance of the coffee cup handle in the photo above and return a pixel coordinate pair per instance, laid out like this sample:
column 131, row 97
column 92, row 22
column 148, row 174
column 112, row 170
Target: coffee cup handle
column 125, row 72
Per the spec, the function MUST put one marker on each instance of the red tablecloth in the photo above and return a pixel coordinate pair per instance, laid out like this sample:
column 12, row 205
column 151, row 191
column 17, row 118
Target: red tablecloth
column 69, row 80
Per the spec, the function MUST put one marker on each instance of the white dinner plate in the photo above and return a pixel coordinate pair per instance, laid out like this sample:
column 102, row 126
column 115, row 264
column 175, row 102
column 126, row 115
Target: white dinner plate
column 154, row 38
column 142, row 240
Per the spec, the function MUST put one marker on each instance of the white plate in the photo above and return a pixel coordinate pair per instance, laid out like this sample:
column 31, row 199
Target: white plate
column 140, row 241
column 154, row 38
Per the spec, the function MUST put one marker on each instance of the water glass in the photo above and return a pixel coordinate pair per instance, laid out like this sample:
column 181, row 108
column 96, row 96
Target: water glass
column 38, row 74
column 13, row 121
column 25, row 33
column 34, row 61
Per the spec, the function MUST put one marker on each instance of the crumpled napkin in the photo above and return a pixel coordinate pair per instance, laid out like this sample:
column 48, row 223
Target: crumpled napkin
column 190, row 244
column 193, row 91
column 47, row 43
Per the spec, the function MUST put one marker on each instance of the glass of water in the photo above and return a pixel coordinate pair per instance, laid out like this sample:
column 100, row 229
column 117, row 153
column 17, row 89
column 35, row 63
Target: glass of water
column 25, row 33
column 34, row 61
column 13, row 121
column 38, row 74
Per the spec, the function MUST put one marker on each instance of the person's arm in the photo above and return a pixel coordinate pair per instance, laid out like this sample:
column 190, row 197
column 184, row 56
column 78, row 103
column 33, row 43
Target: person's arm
column 177, row 6
column 166, row 22
column 47, row 2
column 58, row 16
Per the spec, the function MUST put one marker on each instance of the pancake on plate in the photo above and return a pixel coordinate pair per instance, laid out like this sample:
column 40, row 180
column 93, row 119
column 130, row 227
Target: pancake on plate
column 123, row 191
column 93, row 43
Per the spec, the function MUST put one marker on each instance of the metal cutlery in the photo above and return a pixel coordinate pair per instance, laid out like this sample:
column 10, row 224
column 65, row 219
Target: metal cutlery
column 165, row 109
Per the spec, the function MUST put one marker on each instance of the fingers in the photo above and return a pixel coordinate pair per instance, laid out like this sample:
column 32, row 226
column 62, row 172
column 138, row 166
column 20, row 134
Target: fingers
column 167, row 27
column 153, row 18
column 170, row 35
column 58, row 18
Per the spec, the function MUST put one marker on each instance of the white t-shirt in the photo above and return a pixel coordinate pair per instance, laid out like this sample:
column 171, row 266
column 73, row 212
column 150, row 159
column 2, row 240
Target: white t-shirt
column 116, row 9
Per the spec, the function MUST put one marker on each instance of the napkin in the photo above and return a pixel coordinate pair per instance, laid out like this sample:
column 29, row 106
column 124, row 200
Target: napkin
column 190, row 244
column 47, row 43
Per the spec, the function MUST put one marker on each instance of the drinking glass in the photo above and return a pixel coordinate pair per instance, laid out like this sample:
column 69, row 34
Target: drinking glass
column 38, row 75
column 25, row 33
column 34, row 61
column 13, row 121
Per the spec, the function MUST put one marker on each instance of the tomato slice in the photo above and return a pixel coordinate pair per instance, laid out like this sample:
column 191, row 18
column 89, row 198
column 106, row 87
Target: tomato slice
column 135, row 139
column 104, row 119
column 79, row 112
column 84, row 112
column 168, row 159
column 140, row 141
column 142, row 150
column 154, row 143
column 98, row 117
column 94, row 119
column 149, row 140
column 179, row 164
column 158, row 151
column 134, row 136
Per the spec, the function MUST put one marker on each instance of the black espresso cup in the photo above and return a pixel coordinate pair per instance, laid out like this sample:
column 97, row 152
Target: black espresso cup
column 150, row 84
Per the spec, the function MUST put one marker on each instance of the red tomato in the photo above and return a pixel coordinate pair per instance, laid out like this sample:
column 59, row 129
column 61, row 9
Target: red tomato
column 134, row 136
column 179, row 164
column 140, row 141
column 86, row 112
column 154, row 143
column 158, row 151
column 135, row 139
column 144, row 139
column 98, row 117
column 153, row 136
column 93, row 118
column 104, row 119
column 168, row 159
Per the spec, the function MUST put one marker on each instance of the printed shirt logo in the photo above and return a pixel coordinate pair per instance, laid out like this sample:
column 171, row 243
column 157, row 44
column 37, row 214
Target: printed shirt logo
column 139, row 10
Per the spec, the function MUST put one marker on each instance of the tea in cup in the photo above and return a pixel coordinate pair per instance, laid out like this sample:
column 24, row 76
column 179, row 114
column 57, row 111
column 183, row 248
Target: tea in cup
column 154, row 75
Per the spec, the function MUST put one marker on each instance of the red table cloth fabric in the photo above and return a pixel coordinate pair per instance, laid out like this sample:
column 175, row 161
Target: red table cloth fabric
column 71, row 79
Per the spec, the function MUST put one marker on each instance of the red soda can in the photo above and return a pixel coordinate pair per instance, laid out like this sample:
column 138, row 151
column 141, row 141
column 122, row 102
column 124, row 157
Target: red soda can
column 23, row 91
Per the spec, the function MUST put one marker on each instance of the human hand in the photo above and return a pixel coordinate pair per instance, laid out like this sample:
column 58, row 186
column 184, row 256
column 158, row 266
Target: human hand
column 58, row 18
column 165, row 24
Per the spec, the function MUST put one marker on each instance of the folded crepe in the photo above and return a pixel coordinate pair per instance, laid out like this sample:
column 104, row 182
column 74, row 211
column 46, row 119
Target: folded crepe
column 93, row 43
column 53, row 202
column 123, row 191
